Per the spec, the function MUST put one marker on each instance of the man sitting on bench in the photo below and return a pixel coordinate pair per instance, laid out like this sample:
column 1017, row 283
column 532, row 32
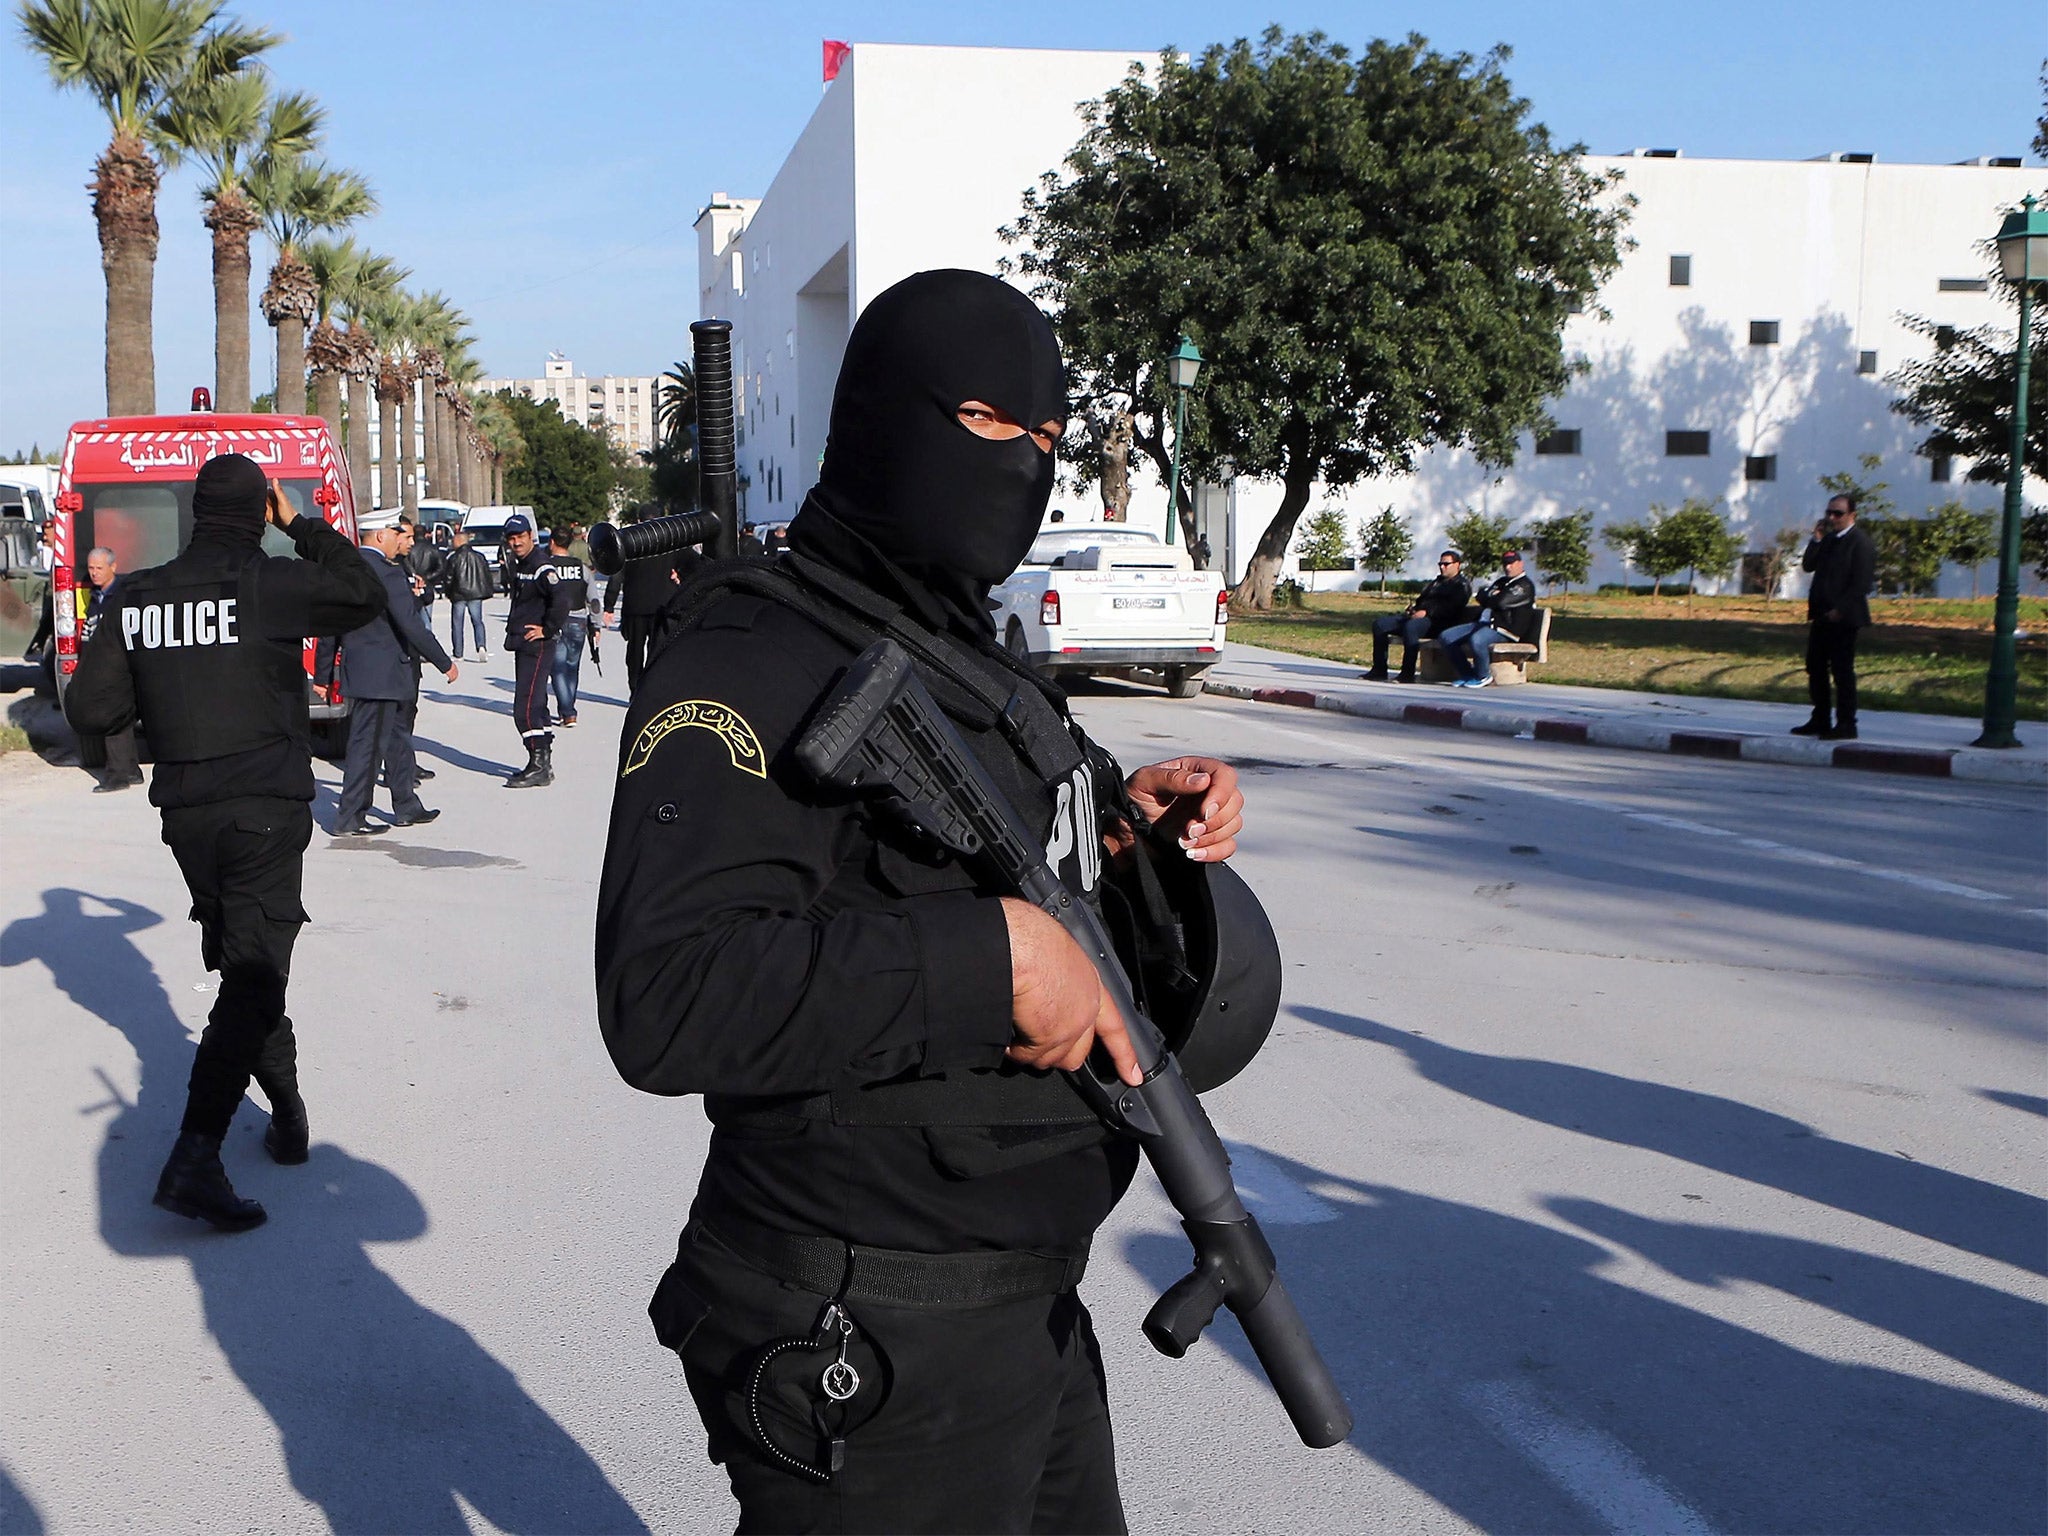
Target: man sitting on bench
column 1436, row 607
column 1507, row 611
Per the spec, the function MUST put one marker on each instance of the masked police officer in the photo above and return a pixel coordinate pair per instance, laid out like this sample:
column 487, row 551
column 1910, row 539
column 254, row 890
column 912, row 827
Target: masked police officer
column 205, row 651
column 540, row 607
column 874, row 1299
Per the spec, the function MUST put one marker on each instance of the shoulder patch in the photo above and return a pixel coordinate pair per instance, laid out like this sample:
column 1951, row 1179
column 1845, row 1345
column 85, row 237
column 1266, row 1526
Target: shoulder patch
column 722, row 720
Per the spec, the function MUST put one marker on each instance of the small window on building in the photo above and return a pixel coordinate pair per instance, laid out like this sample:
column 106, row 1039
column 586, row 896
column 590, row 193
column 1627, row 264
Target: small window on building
column 1687, row 444
column 1963, row 285
column 792, row 431
column 1941, row 468
column 1944, row 337
column 1866, row 362
column 1760, row 466
column 1681, row 271
column 1763, row 333
column 1562, row 440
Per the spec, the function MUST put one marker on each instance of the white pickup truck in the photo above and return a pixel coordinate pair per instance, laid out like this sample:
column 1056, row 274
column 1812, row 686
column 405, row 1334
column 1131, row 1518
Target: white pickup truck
column 1105, row 599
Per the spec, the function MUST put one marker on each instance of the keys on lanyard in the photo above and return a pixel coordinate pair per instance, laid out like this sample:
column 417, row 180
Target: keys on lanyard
column 840, row 1380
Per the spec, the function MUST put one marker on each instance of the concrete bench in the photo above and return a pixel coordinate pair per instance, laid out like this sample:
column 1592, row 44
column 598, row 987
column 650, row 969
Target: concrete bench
column 1511, row 658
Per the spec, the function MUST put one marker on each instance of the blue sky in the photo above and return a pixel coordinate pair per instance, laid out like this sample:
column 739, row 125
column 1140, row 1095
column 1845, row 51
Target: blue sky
column 542, row 163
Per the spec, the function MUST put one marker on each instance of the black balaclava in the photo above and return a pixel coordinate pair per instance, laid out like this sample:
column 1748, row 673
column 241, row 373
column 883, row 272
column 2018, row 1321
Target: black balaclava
column 952, row 511
column 227, row 502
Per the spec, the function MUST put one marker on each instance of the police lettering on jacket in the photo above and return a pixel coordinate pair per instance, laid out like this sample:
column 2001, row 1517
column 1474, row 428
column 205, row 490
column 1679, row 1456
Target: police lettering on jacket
column 170, row 625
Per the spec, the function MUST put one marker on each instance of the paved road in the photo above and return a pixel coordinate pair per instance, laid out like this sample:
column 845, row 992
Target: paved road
column 1654, row 1145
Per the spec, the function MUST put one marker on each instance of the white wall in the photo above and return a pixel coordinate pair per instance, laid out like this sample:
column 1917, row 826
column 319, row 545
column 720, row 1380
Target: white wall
column 897, row 172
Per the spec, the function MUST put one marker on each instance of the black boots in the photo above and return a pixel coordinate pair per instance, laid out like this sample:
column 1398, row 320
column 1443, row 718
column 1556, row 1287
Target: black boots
column 287, row 1139
column 1817, row 726
column 539, row 770
column 194, row 1184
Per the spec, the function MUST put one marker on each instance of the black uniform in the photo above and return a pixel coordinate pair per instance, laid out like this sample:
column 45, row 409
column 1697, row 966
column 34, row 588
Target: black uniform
column 1508, row 604
column 205, row 650
column 538, row 597
column 643, row 591
column 879, row 1177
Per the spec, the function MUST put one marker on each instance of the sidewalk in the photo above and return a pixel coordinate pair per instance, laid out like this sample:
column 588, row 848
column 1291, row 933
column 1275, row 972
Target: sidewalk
column 1934, row 746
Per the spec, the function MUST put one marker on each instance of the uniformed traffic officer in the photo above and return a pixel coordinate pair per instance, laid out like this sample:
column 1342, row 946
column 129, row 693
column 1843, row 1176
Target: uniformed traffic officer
column 540, row 607
column 205, row 651
column 875, row 1298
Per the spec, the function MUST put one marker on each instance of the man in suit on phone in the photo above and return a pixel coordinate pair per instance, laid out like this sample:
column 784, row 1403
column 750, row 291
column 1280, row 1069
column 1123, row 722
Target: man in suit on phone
column 380, row 673
column 1844, row 565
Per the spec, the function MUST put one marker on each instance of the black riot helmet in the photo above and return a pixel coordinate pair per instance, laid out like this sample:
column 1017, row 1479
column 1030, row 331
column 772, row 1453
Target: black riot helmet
column 1202, row 955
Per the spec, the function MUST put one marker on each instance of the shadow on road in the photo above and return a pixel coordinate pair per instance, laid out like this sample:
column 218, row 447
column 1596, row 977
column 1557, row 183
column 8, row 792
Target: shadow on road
column 1732, row 1138
column 2031, row 1103
column 1492, row 1366
column 18, row 1513
column 455, row 757
column 386, row 1410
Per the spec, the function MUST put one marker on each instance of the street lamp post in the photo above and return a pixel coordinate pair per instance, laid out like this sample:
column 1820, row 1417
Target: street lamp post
column 1181, row 369
column 2023, row 256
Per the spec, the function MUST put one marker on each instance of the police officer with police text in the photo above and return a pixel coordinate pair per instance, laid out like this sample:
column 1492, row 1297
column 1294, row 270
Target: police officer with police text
column 205, row 652
column 540, row 607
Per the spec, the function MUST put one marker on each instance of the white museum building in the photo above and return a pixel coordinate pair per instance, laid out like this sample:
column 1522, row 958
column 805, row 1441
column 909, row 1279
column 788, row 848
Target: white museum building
column 1742, row 356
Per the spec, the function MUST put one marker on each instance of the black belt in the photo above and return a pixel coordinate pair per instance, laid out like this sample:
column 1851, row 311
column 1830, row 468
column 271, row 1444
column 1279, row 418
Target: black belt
column 890, row 1277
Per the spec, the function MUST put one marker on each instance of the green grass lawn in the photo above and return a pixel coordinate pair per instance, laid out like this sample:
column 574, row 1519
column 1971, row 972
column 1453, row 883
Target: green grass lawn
column 1922, row 654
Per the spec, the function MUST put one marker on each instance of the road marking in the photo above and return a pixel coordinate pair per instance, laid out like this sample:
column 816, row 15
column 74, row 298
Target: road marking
column 1276, row 1199
column 1789, row 852
column 1594, row 1468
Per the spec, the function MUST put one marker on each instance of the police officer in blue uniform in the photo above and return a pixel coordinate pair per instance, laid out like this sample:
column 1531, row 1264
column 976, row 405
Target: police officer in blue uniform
column 875, row 1299
column 205, row 652
column 540, row 607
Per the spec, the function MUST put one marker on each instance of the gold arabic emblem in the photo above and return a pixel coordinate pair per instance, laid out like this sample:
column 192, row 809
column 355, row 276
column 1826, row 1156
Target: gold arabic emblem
column 722, row 720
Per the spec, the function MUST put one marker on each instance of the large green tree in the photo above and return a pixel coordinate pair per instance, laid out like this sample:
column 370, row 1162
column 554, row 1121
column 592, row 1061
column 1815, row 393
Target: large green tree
column 1376, row 252
column 565, row 470
column 135, row 58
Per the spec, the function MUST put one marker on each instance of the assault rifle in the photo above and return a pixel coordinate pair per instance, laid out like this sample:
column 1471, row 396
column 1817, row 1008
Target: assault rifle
column 879, row 734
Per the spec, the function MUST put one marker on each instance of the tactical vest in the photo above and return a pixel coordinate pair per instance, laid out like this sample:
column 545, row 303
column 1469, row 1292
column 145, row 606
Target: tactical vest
column 575, row 579
column 977, row 1120
column 207, row 682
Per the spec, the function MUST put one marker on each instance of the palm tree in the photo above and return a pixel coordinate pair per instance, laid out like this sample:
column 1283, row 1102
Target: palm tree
column 226, row 125
column 437, row 326
column 388, row 320
column 299, row 197
column 134, row 58
column 359, row 282
column 674, row 457
column 498, row 435
column 463, row 372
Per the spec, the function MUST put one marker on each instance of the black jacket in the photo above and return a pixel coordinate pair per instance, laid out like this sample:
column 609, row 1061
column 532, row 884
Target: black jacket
column 646, row 587
column 379, row 659
column 1844, row 567
column 1508, row 603
column 468, row 577
column 1444, row 600
column 326, row 591
column 539, row 596
column 427, row 561
column 762, row 943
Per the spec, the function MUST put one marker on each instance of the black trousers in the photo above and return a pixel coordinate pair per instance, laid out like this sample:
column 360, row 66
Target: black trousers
column 379, row 733
column 1831, row 657
column 242, row 861
column 976, row 1419
column 530, row 674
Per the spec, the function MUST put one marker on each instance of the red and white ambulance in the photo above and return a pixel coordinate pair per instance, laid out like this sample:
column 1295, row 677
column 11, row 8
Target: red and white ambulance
column 125, row 484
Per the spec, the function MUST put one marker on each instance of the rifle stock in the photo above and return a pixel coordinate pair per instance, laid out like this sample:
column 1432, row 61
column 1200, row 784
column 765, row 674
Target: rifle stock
column 880, row 735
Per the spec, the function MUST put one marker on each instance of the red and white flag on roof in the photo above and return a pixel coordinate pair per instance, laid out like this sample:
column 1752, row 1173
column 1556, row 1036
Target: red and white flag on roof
column 835, row 55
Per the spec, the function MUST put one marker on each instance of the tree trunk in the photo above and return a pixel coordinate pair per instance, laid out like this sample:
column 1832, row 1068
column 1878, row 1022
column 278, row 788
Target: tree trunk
column 232, row 221
column 387, row 446
column 408, row 484
column 124, row 187
column 327, row 400
column 291, row 301
column 327, row 358
column 1116, row 468
column 437, row 442
column 291, row 366
column 359, row 433
column 497, row 480
column 1262, row 571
